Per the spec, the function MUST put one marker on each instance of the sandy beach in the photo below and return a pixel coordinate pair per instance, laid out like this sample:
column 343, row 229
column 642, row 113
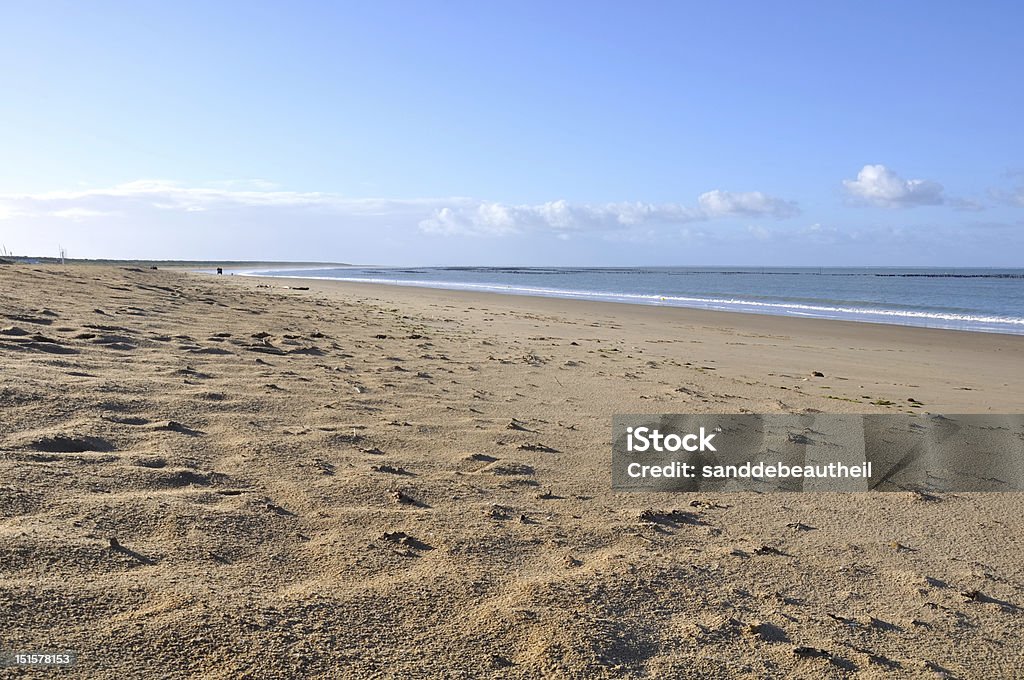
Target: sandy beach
column 227, row 477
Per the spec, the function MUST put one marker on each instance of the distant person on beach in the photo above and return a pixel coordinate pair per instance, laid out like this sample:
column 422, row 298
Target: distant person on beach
column 220, row 270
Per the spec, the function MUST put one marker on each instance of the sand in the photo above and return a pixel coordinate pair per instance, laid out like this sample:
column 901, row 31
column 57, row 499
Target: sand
column 223, row 477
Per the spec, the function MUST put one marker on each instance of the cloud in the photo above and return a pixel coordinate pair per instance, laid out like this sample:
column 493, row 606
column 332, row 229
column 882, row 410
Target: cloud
column 495, row 219
column 167, row 220
column 745, row 203
column 487, row 218
column 142, row 196
column 173, row 196
column 442, row 216
column 157, row 217
column 878, row 185
column 966, row 204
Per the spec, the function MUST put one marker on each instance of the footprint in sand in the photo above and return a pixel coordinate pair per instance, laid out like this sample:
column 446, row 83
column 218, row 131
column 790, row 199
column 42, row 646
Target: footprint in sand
column 17, row 339
column 476, row 462
column 28, row 318
column 162, row 478
column 209, row 350
column 70, row 444
column 508, row 469
column 540, row 448
column 403, row 539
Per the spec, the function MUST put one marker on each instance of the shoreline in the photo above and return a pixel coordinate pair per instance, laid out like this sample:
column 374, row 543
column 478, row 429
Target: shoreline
column 906, row 318
column 973, row 370
column 705, row 316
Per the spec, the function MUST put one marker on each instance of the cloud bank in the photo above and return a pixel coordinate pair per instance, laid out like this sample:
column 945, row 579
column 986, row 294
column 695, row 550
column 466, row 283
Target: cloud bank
column 436, row 216
column 564, row 217
column 257, row 221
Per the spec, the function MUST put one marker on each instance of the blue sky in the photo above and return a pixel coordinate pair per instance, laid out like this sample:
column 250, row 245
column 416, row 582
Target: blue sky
column 515, row 133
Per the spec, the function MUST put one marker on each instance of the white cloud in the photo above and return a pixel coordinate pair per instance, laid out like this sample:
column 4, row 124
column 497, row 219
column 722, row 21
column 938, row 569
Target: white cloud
column 486, row 218
column 878, row 185
column 495, row 219
column 161, row 217
column 745, row 203
column 165, row 220
column 171, row 195
column 135, row 198
column 433, row 215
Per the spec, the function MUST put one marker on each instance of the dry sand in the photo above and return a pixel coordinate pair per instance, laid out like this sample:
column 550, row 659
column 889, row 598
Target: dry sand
column 360, row 481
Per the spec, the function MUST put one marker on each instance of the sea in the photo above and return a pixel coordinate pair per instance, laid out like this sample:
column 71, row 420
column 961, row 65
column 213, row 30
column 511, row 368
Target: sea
column 987, row 300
